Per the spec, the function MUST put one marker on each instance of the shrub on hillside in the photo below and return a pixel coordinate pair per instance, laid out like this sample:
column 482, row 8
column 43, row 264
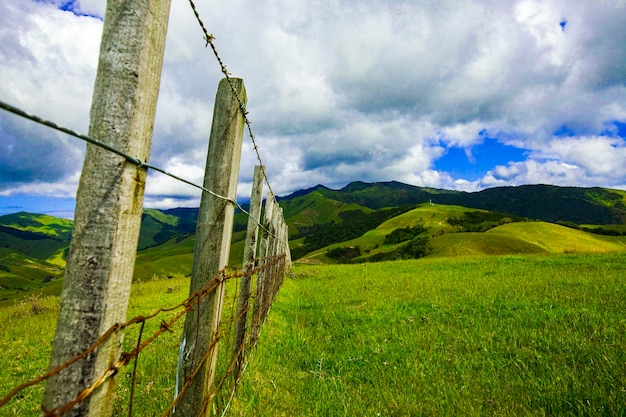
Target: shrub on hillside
column 571, row 225
column 404, row 234
column 344, row 253
column 415, row 249
column 479, row 221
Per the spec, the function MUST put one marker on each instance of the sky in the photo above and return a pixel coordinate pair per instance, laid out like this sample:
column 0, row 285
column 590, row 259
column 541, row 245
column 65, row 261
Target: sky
column 462, row 95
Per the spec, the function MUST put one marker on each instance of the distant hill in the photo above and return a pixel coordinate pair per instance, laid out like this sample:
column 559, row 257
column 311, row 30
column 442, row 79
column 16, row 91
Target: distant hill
column 32, row 253
column 40, row 224
column 440, row 229
column 542, row 202
column 376, row 195
column 383, row 220
column 572, row 205
column 159, row 226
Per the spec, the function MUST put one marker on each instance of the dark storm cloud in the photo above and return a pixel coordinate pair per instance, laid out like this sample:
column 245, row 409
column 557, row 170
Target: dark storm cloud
column 30, row 153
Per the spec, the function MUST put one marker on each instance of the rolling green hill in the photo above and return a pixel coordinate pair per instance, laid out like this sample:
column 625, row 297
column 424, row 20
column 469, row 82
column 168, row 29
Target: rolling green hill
column 444, row 238
column 531, row 237
column 32, row 254
column 40, row 224
column 159, row 226
column 381, row 220
column 172, row 258
column 372, row 242
column 314, row 208
column 31, row 244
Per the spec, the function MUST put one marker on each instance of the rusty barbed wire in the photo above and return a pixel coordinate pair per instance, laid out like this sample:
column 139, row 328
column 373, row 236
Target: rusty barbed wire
column 126, row 357
column 209, row 38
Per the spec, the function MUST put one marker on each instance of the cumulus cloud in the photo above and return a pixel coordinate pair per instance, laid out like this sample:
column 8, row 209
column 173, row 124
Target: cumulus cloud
column 348, row 90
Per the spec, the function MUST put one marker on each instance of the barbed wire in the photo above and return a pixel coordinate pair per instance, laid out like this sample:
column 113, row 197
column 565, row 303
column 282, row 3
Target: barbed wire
column 209, row 38
column 165, row 326
column 132, row 159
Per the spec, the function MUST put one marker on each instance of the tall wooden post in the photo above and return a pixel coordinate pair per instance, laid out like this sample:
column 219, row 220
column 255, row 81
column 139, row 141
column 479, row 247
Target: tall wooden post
column 260, row 291
column 109, row 202
column 213, row 237
column 249, row 252
column 269, row 276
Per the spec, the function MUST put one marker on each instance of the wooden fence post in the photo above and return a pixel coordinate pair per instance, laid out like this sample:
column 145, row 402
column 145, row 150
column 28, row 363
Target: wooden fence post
column 270, row 277
column 261, row 278
column 109, row 203
column 212, row 248
column 249, row 253
column 287, row 249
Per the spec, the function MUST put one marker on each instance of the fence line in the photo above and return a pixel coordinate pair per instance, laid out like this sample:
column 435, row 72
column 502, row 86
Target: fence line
column 271, row 264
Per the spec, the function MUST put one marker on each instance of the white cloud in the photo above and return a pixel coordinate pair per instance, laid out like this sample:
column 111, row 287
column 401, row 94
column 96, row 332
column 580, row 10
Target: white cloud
column 349, row 90
column 64, row 189
column 598, row 156
column 53, row 69
column 159, row 184
column 544, row 172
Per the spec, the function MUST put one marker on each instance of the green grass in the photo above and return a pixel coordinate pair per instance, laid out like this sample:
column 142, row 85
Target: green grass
column 497, row 335
column 512, row 335
column 27, row 330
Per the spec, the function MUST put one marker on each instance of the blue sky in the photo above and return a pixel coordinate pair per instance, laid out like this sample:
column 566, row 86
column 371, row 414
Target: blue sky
column 446, row 94
column 473, row 162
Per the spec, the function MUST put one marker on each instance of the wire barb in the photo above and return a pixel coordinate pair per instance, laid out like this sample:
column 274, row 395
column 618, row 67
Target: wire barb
column 209, row 38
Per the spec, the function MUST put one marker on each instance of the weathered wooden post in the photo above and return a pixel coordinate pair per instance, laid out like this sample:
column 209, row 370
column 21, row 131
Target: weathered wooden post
column 109, row 203
column 249, row 253
column 212, row 248
column 271, row 271
column 261, row 277
column 287, row 250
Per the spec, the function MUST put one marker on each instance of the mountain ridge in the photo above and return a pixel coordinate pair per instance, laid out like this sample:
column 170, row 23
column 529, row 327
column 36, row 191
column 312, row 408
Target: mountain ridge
column 594, row 205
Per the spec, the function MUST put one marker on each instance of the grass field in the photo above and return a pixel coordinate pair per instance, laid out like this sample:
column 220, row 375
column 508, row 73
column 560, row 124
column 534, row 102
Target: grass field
column 498, row 335
column 512, row 335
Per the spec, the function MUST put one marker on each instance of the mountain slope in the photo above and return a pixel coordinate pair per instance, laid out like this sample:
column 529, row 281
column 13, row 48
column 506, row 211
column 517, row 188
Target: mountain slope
column 543, row 202
column 376, row 195
column 315, row 208
column 40, row 224
column 551, row 203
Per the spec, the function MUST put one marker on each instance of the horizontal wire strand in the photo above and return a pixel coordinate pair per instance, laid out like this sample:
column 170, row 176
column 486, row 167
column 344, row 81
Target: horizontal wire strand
column 134, row 160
